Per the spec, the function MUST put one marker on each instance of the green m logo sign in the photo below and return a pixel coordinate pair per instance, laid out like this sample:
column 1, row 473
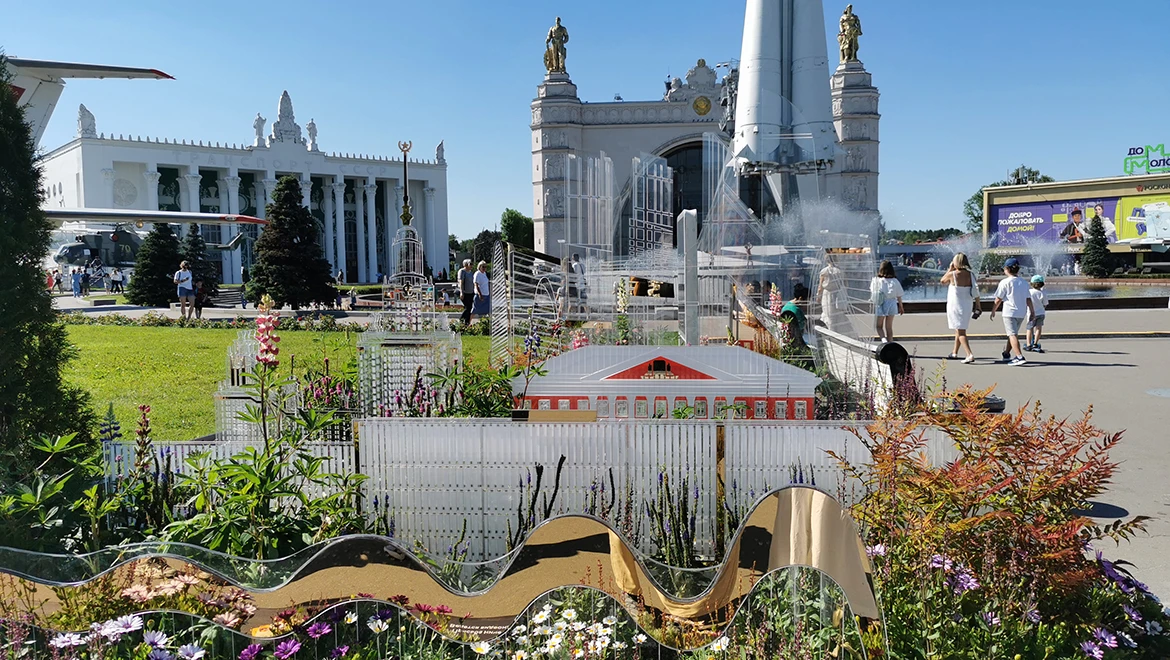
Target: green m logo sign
column 1147, row 160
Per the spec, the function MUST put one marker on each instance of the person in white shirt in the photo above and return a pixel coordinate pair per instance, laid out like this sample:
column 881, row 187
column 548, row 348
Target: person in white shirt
column 482, row 291
column 1036, row 318
column 1012, row 294
column 886, row 293
column 186, row 290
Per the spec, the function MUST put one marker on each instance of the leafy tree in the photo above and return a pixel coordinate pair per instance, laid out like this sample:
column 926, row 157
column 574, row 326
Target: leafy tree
column 1095, row 257
column 911, row 236
column 517, row 228
column 34, row 347
column 153, row 281
column 452, row 242
column 194, row 251
column 290, row 265
column 482, row 247
column 973, row 207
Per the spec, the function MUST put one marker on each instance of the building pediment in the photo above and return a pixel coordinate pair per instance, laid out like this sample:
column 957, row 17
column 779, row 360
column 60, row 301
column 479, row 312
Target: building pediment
column 660, row 368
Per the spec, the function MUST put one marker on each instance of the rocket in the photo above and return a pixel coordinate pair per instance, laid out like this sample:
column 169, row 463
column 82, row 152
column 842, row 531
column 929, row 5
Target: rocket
column 783, row 88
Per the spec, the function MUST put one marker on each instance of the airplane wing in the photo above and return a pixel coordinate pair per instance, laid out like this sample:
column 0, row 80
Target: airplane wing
column 54, row 71
column 39, row 83
column 133, row 216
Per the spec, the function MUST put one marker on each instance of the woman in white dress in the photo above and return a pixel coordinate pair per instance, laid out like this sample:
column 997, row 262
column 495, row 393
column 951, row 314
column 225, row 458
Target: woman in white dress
column 834, row 298
column 962, row 296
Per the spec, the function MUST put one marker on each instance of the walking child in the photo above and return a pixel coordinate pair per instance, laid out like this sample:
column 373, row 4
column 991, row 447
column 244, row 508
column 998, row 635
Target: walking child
column 1012, row 294
column 1036, row 318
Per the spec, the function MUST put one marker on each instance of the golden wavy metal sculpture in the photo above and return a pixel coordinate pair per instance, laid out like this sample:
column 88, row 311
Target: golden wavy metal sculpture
column 795, row 526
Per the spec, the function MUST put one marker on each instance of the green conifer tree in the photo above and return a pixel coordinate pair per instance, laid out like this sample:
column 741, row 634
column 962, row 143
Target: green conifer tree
column 1095, row 257
column 194, row 251
column 153, row 281
column 290, row 265
column 34, row 346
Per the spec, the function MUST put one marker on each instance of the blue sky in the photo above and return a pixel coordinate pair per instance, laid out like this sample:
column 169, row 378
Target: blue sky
column 968, row 89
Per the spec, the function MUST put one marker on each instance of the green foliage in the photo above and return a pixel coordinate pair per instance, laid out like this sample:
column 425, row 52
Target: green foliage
column 517, row 228
column 153, row 282
column 290, row 265
column 272, row 500
column 911, row 236
column 986, row 554
column 1095, row 258
column 34, row 401
column 194, row 251
column 973, row 207
column 483, row 245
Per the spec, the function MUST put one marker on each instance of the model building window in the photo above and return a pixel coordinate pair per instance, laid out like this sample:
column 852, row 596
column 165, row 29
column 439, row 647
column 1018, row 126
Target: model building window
column 761, row 409
column 660, row 407
column 781, row 410
column 680, row 403
column 641, row 409
column 602, row 407
column 622, row 407
column 583, row 404
column 720, row 407
column 562, row 404
column 528, row 404
column 545, row 404
column 802, row 410
column 700, row 408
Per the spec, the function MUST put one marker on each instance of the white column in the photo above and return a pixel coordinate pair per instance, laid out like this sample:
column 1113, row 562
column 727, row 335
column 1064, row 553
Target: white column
column 269, row 188
column 328, row 246
column 109, row 174
column 306, row 192
column 192, row 197
column 151, row 177
column 371, row 230
column 358, row 212
column 258, row 199
column 225, row 234
column 230, row 185
column 339, row 214
column 193, row 181
column 429, row 214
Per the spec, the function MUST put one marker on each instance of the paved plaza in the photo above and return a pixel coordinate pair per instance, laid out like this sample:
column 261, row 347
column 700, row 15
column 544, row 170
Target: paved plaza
column 1127, row 381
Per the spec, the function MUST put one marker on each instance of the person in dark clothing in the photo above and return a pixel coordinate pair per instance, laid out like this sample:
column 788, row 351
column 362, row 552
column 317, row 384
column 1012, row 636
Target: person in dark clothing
column 466, row 290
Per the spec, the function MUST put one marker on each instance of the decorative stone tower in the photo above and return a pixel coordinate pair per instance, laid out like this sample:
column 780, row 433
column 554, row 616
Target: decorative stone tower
column 556, row 131
column 855, row 116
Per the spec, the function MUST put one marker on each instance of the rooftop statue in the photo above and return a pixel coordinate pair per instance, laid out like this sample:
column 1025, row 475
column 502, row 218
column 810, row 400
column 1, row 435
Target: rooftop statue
column 554, row 54
column 258, row 126
column 86, row 124
column 847, row 37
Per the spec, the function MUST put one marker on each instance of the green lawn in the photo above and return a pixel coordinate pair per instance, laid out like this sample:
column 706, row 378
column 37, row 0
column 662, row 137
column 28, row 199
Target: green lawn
column 176, row 371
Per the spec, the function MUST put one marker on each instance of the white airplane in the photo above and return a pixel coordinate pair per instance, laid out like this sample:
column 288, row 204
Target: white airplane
column 38, row 85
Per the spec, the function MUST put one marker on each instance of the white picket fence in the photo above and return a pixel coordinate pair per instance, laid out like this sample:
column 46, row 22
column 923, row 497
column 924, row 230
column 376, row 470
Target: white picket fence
column 431, row 475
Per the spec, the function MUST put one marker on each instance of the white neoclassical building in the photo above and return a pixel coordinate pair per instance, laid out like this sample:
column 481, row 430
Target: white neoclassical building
column 356, row 199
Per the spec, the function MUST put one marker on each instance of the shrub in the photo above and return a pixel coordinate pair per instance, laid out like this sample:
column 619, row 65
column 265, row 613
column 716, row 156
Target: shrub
column 989, row 550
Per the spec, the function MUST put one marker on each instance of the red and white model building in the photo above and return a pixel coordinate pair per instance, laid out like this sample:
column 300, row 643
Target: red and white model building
column 644, row 382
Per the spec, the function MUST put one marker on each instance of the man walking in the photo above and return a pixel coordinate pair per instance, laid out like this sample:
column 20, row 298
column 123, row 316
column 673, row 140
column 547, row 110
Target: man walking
column 466, row 290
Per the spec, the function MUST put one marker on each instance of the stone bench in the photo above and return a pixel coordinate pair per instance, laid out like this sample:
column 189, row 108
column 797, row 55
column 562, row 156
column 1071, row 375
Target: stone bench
column 103, row 302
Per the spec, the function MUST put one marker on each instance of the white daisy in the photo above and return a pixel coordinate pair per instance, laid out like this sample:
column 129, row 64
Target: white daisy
column 481, row 648
column 720, row 644
column 569, row 615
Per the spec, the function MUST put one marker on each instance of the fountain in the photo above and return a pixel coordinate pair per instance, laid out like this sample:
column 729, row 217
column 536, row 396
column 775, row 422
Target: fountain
column 1042, row 252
